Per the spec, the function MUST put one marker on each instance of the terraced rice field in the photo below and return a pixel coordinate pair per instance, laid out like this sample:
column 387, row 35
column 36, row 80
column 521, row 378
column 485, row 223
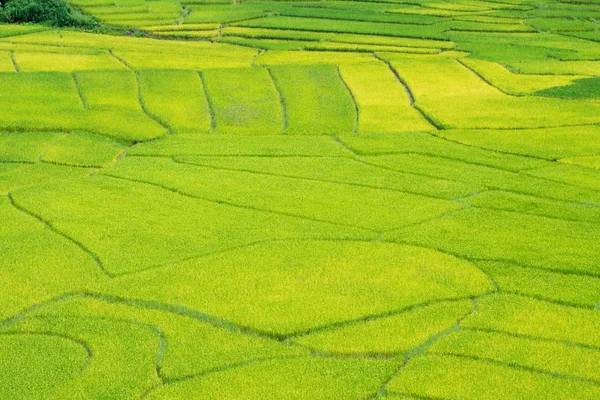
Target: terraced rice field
column 303, row 200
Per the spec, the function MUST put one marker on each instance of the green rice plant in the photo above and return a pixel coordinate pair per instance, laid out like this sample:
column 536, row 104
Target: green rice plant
column 296, row 378
column 584, row 161
column 430, row 145
column 482, row 106
column 561, row 24
column 550, row 143
column 26, row 245
column 396, row 334
column 265, row 44
column 492, row 178
column 339, row 170
column 496, row 235
column 26, row 146
column 243, row 101
column 141, row 18
column 262, row 33
column 586, row 88
column 193, row 346
column 112, row 10
column 186, row 27
column 84, row 149
column 6, row 63
column 7, row 30
column 516, row 84
column 523, row 316
column 141, row 53
column 123, row 355
column 194, row 60
column 313, row 200
column 143, row 23
column 188, row 34
column 508, row 201
column 570, row 174
column 471, row 26
column 571, row 289
column 310, row 58
column 358, row 15
column 435, row 376
column 340, row 26
column 315, row 98
column 552, row 357
column 33, row 174
column 377, row 92
column 152, row 226
column 34, row 365
column 235, row 145
column 120, row 94
column 177, row 98
column 29, row 62
column 222, row 13
column 391, row 41
column 368, row 48
column 285, row 296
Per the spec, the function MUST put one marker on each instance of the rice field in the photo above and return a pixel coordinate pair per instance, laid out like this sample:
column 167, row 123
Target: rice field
column 302, row 200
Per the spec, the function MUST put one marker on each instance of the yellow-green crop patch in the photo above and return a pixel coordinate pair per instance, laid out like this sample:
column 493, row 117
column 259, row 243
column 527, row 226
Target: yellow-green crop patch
column 301, row 200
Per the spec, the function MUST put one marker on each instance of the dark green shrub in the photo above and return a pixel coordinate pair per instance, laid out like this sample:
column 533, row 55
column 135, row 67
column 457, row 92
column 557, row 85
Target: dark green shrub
column 53, row 12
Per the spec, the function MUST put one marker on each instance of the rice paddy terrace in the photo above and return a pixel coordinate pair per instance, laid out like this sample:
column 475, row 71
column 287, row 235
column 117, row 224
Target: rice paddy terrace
column 303, row 200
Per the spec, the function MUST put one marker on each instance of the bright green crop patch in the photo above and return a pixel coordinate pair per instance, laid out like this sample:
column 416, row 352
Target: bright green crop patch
column 301, row 200
column 472, row 379
column 35, row 365
column 322, row 201
column 243, row 101
column 286, row 294
column 299, row 378
column 315, row 99
column 177, row 99
column 495, row 235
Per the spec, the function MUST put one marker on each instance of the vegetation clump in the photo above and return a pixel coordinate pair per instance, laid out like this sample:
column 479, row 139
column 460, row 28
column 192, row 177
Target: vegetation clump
column 51, row 12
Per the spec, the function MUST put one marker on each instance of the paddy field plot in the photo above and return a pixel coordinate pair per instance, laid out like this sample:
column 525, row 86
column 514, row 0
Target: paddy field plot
column 302, row 200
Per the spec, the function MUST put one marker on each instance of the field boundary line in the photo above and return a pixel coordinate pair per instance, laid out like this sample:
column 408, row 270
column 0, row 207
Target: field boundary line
column 375, row 317
column 354, row 102
column 209, row 102
column 321, row 180
column 79, row 90
column 245, row 207
column 77, row 243
column 422, row 348
column 81, row 343
column 284, row 117
column 485, row 80
column 517, row 366
column 411, row 97
column 14, row 61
